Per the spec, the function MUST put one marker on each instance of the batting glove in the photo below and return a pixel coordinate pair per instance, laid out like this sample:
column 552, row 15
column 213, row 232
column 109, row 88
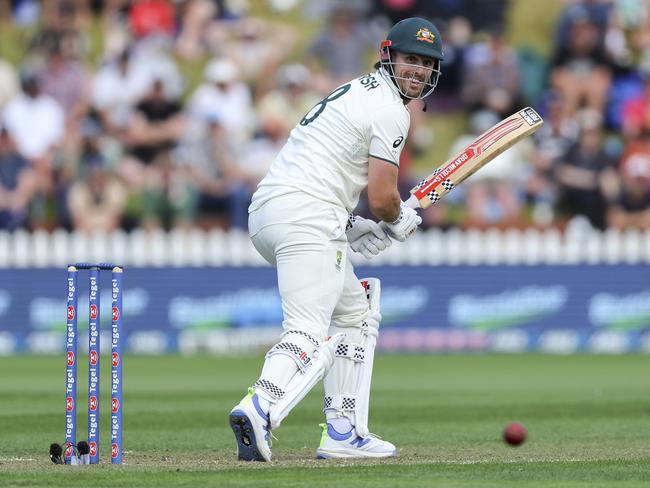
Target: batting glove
column 366, row 237
column 405, row 225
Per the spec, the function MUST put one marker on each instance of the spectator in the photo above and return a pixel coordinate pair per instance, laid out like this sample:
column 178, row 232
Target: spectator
column 35, row 122
column 24, row 14
column 637, row 148
column 595, row 10
column 631, row 207
column 635, row 111
column 65, row 80
column 116, row 89
column 292, row 97
column 117, row 36
column 260, row 152
column 153, row 56
column 339, row 52
column 63, row 23
column 152, row 18
column 580, row 70
column 583, row 173
column 639, row 35
column 552, row 141
column 218, row 192
column 456, row 41
column 16, row 184
column 258, row 48
column 155, row 125
column 492, row 79
column 226, row 97
column 9, row 85
column 195, row 17
column 163, row 201
column 121, row 83
column 154, row 129
column 97, row 200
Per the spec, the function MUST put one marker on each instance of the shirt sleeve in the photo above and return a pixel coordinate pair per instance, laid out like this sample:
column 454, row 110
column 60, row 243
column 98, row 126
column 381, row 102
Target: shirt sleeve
column 388, row 130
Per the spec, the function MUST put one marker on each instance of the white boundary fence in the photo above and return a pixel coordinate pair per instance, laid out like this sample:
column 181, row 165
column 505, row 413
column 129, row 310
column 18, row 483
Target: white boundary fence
column 577, row 245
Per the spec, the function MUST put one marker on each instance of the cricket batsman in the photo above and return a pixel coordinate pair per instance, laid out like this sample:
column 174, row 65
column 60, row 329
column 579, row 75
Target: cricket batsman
column 300, row 221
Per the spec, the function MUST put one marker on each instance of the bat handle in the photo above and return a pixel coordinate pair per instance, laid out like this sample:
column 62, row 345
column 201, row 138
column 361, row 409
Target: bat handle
column 413, row 202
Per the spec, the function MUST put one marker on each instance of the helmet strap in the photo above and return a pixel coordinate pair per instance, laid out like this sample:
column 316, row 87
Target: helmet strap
column 387, row 64
column 385, row 58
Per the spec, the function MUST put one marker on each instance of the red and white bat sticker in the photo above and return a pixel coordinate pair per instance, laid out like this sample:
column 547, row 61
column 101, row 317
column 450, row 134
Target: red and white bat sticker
column 475, row 149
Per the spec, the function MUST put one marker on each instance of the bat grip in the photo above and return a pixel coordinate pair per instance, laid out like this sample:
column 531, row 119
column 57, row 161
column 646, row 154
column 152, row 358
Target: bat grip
column 413, row 202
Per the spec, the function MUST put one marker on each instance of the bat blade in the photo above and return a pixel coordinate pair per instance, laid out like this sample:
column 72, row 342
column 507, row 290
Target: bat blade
column 481, row 151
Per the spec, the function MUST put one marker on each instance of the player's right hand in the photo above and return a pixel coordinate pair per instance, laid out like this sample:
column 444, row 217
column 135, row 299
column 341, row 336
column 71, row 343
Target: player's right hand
column 366, row 236
column 405, row 225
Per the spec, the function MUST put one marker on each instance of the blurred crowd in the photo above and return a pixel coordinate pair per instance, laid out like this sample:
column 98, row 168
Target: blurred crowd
column 165, row 113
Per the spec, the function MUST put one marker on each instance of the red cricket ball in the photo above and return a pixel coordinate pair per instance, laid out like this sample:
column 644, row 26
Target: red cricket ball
column 514, row 434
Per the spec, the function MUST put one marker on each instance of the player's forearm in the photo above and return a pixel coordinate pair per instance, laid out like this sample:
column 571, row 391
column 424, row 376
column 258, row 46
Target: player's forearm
column 386, row 207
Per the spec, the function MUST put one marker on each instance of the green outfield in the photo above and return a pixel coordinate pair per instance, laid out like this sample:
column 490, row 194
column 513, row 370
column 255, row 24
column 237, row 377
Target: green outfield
column 588, row 419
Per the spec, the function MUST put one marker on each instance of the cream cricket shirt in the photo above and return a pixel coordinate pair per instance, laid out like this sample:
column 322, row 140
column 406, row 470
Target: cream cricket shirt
column 326, row 155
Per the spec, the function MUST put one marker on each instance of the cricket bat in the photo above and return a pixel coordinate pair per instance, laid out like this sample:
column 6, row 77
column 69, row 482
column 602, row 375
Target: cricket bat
column 484, row 149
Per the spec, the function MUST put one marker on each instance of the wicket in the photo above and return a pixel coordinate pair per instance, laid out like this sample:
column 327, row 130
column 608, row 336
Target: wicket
column 94, row 270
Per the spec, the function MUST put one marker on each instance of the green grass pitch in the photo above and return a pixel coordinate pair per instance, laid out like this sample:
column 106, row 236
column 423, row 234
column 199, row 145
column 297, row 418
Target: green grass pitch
column 588, row 419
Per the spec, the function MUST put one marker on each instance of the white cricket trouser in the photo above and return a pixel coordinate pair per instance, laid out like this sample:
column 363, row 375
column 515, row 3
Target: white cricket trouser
column 305, row 239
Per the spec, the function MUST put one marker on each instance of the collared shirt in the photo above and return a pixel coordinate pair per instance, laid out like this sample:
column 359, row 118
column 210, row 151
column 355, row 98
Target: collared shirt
column 326, row 155
column 36, row 124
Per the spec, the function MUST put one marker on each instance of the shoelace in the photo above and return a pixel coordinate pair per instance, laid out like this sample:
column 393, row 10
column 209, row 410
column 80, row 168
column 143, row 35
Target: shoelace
column 269, row 435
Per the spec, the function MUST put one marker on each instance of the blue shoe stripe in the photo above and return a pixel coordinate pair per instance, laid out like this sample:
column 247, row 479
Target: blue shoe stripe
column 360, row 441
column 256, row 403
column 331, row 432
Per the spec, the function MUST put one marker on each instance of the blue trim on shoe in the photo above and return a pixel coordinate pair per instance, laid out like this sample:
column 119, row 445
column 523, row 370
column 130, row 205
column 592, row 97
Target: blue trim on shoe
column 265, row 416
column 256, row 403
column 360, row 441
column 337, row 436
column 244, row 436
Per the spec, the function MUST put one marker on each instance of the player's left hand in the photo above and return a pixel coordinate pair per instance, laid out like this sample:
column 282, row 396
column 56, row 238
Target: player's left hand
column 405, row 225
column 366, row 237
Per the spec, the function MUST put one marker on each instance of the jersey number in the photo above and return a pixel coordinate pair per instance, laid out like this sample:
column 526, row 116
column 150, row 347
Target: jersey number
column 320, row 106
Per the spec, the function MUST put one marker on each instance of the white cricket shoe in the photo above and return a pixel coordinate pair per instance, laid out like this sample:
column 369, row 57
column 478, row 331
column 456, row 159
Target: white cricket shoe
column 333, row 444
column 250, row 424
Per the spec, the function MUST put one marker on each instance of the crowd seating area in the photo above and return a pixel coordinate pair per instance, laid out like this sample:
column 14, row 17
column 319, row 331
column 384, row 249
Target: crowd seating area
column 159, row 115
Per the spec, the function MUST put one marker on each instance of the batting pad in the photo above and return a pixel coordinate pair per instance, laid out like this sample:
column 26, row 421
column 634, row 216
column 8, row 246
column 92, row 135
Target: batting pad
column 347, row 385
column 304, row 380
column 284, row 360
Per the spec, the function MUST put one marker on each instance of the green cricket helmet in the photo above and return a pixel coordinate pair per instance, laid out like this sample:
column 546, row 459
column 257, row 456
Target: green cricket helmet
column 414, row 35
